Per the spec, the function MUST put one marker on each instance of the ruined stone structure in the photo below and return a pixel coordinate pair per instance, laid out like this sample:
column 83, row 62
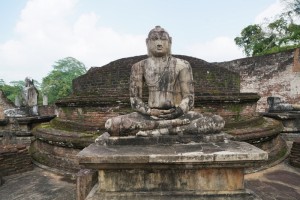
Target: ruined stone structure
column 103, row 93
column 270, row 75
column 15, row 137
column 166, row 160
column 14, row 158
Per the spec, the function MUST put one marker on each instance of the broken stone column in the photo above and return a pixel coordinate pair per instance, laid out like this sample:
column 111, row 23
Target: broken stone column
column 45, row 100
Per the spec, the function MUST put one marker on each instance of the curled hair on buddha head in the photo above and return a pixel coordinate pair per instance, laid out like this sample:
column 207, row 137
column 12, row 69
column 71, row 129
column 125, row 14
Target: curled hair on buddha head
column 160, row 31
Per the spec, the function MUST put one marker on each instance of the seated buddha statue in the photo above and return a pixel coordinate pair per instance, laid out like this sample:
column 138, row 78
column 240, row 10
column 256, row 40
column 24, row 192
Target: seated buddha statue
column 171, row 96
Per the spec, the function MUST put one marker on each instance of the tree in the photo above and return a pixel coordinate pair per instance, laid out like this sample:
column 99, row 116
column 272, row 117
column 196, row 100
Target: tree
column 13, row 90
column 252, row 39
column 293, row 6
column 279, row 35
column 58, row 83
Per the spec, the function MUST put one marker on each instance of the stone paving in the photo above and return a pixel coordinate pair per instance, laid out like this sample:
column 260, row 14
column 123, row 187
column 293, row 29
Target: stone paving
column 281, row 182
column 37, row 184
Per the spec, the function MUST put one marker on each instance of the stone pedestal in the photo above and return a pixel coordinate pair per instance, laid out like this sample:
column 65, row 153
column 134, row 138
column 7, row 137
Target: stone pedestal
column 289, row 119
column 213, row 170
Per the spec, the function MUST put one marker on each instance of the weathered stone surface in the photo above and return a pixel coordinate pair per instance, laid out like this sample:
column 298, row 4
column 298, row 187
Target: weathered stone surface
column 112, row 80
column 279, row 182
column 170, row 85
column 178, row 171
column 277, row 105
column 105, row 139
column 47, row 110
column 173, row 195
column 290, row 120
column 41, row 184
column 269, row 75
column 56, row 157
column 202, row 179
column 37, row 184
column 86, row 179
column 197, row 153
column 14, row 158
column 63, row 138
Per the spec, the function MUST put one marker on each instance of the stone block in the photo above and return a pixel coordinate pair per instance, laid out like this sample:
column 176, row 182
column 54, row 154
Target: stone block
column 177, row 171
column 184, row 180
column 86, row 179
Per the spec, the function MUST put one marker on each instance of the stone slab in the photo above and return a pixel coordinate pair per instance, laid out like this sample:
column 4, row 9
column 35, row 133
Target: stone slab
column 37, row 184
column 174, row 195
column 240, row 154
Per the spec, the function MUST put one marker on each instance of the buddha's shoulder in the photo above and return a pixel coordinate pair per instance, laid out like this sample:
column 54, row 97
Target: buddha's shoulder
column 139, row 64
column 181, row 63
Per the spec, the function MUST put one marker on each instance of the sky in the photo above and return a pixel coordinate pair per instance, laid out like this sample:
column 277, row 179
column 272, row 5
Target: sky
column 34, row 34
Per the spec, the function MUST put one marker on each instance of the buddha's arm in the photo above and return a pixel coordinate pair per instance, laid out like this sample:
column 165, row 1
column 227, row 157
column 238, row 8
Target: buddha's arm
column 136, row 90
column 187, row 89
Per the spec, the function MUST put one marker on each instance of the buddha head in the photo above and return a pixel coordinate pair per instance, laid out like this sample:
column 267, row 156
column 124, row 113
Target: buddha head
column 159, row 42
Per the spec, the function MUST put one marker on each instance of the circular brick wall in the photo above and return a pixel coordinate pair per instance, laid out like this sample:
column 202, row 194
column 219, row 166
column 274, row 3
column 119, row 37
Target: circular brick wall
column 112, row 80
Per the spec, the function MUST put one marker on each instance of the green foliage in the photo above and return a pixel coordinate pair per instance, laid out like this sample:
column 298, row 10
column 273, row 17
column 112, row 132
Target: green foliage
column 58, row 83
column 251, row 39
column 293, row 6
column 279, row 35
column 12, row 90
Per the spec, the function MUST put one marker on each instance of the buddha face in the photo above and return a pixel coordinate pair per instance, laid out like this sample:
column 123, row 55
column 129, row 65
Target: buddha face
column 158, row 43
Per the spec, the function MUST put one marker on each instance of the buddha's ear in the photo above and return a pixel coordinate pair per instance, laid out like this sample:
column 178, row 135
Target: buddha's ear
column 170, row 40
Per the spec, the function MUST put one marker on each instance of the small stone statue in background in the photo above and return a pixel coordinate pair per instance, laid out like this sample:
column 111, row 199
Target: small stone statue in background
column 30, row 97
column 171, row 96
column 278, row 105
column 28, row 102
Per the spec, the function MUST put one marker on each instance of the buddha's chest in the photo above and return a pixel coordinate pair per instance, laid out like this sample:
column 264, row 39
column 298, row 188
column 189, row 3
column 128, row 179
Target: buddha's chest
column 160, row 74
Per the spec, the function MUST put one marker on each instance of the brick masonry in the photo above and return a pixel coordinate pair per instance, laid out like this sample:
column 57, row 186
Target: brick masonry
column 47, row 110
column 103, row 92
column 112, row 80
column 270, row 75
column 14, row 158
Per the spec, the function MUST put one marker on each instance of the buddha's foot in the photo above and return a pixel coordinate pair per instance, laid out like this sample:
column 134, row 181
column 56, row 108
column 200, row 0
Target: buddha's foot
column 156, row 132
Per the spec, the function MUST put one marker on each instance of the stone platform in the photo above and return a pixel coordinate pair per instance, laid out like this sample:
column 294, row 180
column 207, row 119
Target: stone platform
column 212, row 170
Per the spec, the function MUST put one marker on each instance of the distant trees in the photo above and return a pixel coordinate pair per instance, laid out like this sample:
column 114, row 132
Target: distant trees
column 279, row 35
column 58, row 83
column 12, row 90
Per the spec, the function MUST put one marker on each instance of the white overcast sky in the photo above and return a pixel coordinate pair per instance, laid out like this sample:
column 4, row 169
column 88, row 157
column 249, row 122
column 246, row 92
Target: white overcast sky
column 36, row 33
